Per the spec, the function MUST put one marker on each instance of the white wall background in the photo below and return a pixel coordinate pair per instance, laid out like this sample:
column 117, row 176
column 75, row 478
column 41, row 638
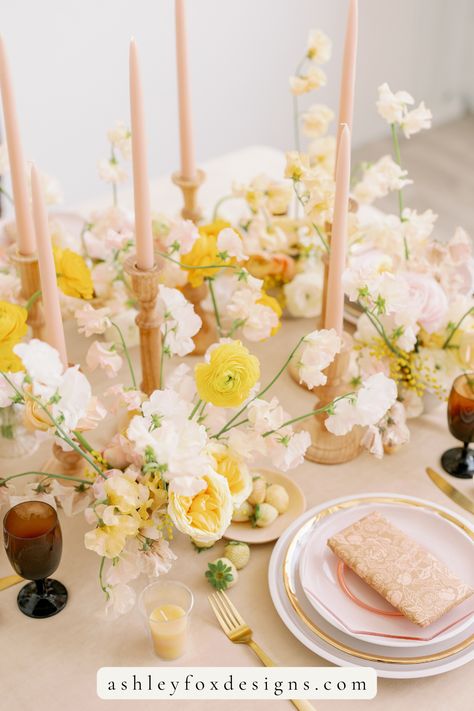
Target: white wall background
column 69, row 62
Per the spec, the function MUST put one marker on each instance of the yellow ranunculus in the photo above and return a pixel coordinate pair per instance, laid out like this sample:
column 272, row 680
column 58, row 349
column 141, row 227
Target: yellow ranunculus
column 73, row 274
column 12, row 329
column 235, row 471
column 273, row 304
column 204, row 252
column 206, row 516
column 228, row 377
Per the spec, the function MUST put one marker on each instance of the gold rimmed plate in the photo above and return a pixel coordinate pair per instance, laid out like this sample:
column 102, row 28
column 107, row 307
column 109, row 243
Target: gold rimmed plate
column 332, row 644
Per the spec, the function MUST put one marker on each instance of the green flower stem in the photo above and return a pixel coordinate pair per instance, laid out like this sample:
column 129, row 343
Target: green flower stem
column 326, row 408
column 202, row 266
column 380, row 330
column 455, row 328
column 221, row 201
column 46, row 476
column 162, row 358
column 126, row 354
column 396, row 149
column 324, row 241
column 195, row 409
column 63, row 435
column 229, row 425
column 33, row 299
column 82, row 441
column 214, row 306
column 7, row 194
column 101, row 580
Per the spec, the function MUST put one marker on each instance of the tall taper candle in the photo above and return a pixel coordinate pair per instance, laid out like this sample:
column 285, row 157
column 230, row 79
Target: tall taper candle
column 24, row 220
column 346, row 96
column 188, row 164
column 334, row 316
column 141, row 189
column 49, row 288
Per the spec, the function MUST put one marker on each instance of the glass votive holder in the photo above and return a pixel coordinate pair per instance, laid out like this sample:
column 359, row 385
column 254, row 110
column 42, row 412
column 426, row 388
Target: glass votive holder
column 166, row 606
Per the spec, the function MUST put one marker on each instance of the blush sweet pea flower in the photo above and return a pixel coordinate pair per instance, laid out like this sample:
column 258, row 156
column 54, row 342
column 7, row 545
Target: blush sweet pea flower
column 182, row 237
column 92, row 321
column 230, row 244
column 367, row 407
column 317, row 352
column 104, row 356
column 179, row 322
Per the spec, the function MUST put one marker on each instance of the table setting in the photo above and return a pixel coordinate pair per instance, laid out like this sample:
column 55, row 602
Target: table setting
column 236, row 427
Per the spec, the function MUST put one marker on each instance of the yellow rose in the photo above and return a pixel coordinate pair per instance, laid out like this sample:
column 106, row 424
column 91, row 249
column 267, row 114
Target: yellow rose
column 273, row 304
column 206, row 516
column 228, row 377
column 235, row 471
column 12, row 329
column 73, row 274
column 204, row 252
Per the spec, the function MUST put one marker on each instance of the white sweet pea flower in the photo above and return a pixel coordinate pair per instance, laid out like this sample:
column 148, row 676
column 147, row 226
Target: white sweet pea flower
column 367, row 407
column 319, row 46
column 157, row 559
column 316, row 120
column 287, row 450
column 179, row 322
column 266, row 416
column 7, row 392
column 92, row 321
column 392, row 107
column 104, row 356
column 130, row 399
column 230, row 244
column 111, row 172
column 379, row 179
column 167, row 404
column 372, row 441
column 418, row 227
column 72, row 398
column 43, row 365
column 416, row 120
column 317, row 352
column 182, row 237
column 181, row 380
column 314, row 78
column 121, row 138
column 121, row 599
column 51, row 188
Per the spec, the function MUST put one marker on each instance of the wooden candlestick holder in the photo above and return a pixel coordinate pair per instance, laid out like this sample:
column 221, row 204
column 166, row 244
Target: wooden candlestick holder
column 207, row 334
column 68, row 463
column 189, row 188
column 327, row 448
column 145, row 284
column 28, row 269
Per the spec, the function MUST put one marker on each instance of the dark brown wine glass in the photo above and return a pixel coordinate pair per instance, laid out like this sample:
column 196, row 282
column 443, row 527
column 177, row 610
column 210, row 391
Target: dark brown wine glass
column 33, row 542
column 459, row 461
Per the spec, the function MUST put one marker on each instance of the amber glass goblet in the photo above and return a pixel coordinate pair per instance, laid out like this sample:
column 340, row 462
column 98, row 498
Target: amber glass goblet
column 459, row 461
column 33, row 542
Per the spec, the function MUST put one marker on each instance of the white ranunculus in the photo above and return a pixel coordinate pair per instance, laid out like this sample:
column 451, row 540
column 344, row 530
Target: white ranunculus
column 304, row 294
column 392, row 106
column 317, row 352
column 206, row 516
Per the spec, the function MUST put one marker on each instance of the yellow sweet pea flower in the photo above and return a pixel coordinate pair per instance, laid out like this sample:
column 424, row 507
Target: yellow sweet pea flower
column 235, row 471
column 110, row 538
column 228, row 377
column 206, row 516
column 12, row 329
column 273, row 304
column 73, row 274
column 204, row 252
column 122, row 493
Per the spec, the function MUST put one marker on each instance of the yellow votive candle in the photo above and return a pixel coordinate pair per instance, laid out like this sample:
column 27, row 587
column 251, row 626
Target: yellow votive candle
column 169, row 627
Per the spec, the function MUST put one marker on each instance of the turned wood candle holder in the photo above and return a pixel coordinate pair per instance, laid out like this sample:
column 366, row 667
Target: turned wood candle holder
column 189, row 188
column 28, row 269
column 327, row 448
column 67, row 463
column 145, row 284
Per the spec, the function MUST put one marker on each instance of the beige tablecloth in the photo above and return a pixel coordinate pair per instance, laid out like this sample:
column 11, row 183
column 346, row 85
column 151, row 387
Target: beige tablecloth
column 51, row 665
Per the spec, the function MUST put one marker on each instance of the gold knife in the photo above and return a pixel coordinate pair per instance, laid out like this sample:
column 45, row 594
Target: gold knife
column 447, row 488
column 10, row 580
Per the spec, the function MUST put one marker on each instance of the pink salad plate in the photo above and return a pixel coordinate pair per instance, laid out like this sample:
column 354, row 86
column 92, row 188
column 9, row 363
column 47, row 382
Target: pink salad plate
column 348, row 603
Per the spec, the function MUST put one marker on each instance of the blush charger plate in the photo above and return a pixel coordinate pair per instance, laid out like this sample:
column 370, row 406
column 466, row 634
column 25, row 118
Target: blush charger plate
column 318, row 571
column 247, row 534
column 325, row 640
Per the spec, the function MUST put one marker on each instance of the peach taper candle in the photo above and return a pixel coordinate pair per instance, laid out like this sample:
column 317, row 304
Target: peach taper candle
column 188, row 164
column 347, row 90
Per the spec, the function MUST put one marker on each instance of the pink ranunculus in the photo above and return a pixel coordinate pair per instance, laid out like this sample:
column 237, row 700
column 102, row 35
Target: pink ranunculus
column 427, row 300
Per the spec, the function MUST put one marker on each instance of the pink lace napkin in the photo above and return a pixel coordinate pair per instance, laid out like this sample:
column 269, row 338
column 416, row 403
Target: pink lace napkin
column 400, row 569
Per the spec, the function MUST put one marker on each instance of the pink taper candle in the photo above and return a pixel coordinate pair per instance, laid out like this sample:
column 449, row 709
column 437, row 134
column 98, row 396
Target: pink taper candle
column 188, row 165
column 24, row 221
column 49, row 288
column 346, row 97
column 334, row 316
column 141, row 189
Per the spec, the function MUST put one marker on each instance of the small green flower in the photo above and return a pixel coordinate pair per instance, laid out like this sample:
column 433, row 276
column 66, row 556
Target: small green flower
column 219, row 575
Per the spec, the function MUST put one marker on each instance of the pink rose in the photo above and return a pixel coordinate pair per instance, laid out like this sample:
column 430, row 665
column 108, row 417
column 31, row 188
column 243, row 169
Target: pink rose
column 428, row 301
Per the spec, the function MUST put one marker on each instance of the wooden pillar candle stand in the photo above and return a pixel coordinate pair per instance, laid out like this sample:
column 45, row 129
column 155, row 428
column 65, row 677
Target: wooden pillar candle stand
column 207, row 334
column 145, row 284
column 327, row 448
column 28, row 269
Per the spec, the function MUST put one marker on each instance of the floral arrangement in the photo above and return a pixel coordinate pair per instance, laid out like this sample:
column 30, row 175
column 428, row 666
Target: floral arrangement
column 183, row 456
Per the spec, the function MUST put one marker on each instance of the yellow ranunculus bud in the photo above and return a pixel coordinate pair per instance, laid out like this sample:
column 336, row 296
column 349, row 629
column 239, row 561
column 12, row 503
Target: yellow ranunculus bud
column 73, row 274
column 228, row 377
column 12, row 329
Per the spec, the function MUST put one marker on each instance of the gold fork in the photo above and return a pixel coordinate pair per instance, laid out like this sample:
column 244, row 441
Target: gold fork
column 238, row 631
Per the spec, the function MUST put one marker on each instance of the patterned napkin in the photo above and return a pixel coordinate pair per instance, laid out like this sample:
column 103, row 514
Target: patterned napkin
column 399, row 569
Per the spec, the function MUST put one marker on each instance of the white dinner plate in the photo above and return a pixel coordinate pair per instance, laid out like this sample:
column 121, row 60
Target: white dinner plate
column 319, row 577
column 325, row 640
